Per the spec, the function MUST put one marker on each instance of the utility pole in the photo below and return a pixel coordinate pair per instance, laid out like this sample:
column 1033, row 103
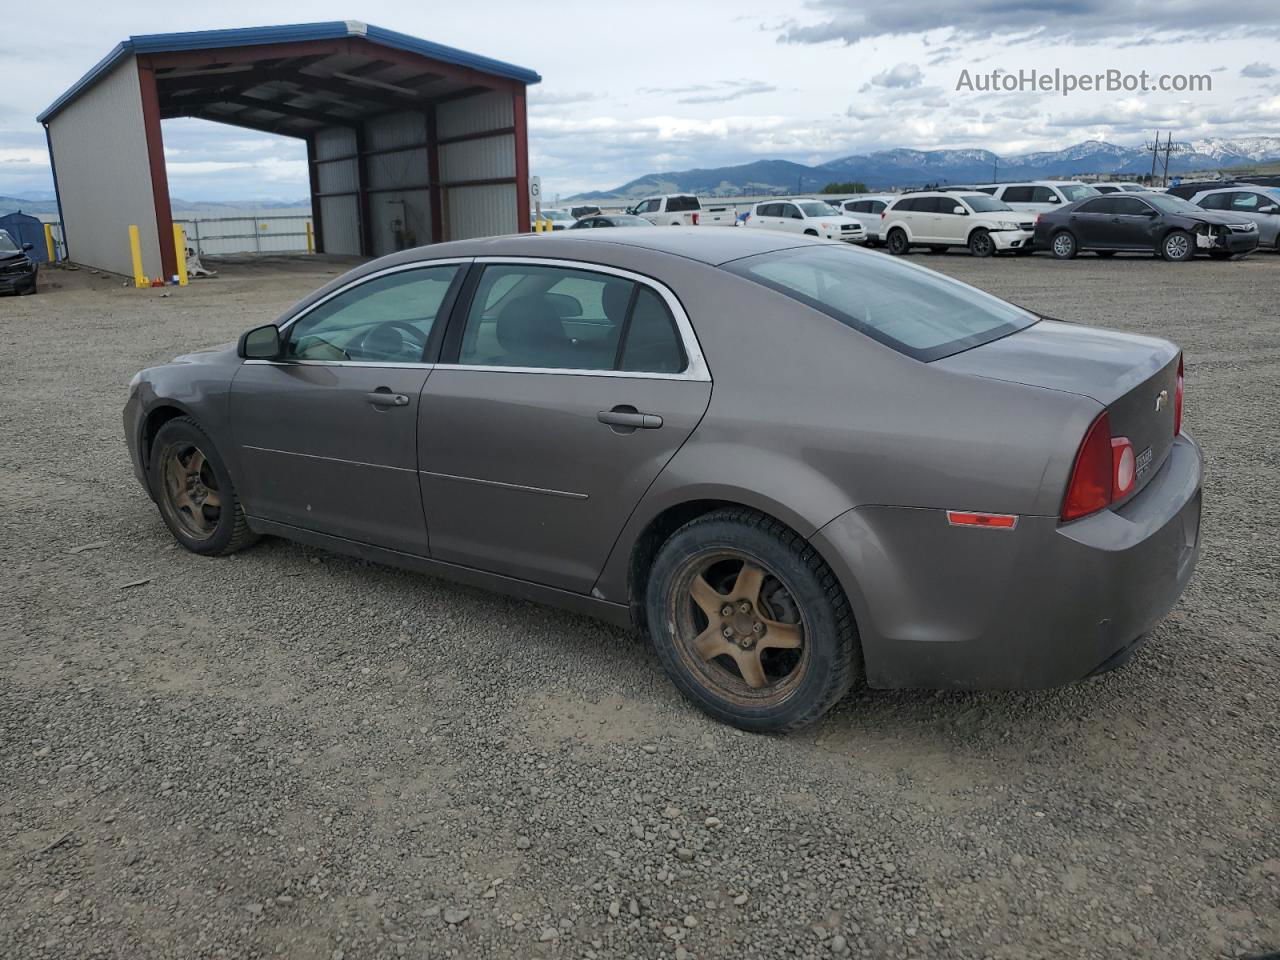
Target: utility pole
column 995, row 169
column 1155, row 153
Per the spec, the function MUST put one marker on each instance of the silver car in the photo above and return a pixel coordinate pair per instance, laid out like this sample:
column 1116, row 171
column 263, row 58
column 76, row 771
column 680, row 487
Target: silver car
column 1259, row 204
column 797, row 465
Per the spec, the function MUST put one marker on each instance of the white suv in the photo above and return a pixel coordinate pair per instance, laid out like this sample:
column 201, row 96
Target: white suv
column 1039, row 196
column 805, row 216
column 866, row 209
column 940, row 220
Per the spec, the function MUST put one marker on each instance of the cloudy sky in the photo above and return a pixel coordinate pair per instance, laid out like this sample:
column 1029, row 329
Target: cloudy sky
column 634, row 88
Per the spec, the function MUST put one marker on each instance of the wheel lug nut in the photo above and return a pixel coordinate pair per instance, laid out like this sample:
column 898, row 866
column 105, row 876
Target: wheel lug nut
column 757, row 627
column 726, row 611
column 728, row 632
column 744, row 607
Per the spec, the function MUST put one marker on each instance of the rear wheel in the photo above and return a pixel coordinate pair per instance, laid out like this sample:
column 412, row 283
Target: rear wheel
column 896, row 241
column 1177, row 246
column 750, row 623
column 1063, row 245
column 981, row 244
column 197, row 500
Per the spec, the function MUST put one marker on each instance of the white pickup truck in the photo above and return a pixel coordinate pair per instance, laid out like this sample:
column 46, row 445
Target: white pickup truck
column 683, row 209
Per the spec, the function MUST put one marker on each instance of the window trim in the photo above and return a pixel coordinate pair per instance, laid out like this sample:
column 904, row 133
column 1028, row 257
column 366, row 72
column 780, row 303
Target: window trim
column 439, row 324
column 695, row 368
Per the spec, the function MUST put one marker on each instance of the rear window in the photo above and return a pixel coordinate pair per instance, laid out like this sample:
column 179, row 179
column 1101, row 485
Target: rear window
column 913, row 310
column 681, row 204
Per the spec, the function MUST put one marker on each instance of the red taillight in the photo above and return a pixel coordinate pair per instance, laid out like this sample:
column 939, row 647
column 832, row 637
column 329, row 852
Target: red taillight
column 1177, row 402
column 695, row 219
column 1092, row 476
column 1124, row 467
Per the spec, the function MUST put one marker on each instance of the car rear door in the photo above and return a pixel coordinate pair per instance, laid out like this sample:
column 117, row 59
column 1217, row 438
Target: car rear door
column 1091, row 222
column 327, row 434
column 564, row 389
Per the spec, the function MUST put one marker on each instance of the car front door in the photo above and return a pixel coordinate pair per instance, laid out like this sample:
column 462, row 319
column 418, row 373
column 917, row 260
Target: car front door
column 792, row 219
column 563, row 391
column 952, row 226
column 1262, row 210
column 1131, row 222
column 327, row 434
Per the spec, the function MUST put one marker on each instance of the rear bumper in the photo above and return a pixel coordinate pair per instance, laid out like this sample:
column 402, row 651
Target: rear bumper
column 1012, row 239
column 1041, row 605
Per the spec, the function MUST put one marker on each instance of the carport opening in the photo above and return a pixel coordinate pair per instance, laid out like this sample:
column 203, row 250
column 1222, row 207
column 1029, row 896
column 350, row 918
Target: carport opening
column 237, row 191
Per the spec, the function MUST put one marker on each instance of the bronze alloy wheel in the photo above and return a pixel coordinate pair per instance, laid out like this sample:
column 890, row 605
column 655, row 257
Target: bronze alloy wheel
column 739, row 629
column 189, row 489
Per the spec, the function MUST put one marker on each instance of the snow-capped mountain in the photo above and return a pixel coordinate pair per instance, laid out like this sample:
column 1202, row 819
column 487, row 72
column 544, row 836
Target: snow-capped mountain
column 903, row 167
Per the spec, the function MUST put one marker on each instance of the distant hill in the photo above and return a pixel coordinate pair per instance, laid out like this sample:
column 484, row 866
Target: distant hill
column 912, row 168
column 45, row 205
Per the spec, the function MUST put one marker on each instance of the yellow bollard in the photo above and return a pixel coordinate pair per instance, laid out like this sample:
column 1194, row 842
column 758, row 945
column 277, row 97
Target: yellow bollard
column 180, row 248
column 48, row 243
column 135, row 246
column 311, row 240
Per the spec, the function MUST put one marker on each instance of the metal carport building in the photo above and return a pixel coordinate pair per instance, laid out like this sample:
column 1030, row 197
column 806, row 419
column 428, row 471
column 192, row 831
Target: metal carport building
column 408, row 142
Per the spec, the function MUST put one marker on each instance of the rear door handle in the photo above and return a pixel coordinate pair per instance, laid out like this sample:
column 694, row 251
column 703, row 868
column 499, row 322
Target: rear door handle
column 383, row 397
column 629, row 418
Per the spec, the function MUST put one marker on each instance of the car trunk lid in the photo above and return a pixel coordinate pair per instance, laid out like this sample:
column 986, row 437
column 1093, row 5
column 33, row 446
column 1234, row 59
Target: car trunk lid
column 1133, row 377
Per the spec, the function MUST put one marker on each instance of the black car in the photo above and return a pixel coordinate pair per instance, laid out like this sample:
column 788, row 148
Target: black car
column 1169, row 227
column 17, row 270
column 611, row 220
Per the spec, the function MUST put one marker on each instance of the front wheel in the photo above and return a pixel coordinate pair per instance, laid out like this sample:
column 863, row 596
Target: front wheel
column 1063, row 245
column 1177, row 246
column 897, row 241
column 193, row 489
column 981, row 244
column 750, row 623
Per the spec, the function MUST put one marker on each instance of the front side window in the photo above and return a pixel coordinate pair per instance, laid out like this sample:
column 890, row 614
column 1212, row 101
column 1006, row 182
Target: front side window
column 981, row 203
column 791, row 211
column 384, row 320
column 6, row 243
column 1077, row 191
column 1129, row 207
column 649, row 206
column 913, row 310
column 559, row 318
column 1247, row 202
column 816, row 208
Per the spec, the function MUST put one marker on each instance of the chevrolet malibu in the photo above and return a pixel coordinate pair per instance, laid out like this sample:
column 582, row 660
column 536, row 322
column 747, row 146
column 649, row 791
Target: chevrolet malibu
column 797, row 466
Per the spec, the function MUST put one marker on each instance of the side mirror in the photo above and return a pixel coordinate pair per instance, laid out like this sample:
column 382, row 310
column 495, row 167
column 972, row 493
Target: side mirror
column 1270, row 209
column 260, row 343
column 959, row 211
column 1149, row 213
column 28, row 246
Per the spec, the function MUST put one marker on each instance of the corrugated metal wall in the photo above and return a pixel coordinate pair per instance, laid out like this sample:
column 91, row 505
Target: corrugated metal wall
column 104, row 176
column 399, row 203
column 481, row 210
column 339, row 216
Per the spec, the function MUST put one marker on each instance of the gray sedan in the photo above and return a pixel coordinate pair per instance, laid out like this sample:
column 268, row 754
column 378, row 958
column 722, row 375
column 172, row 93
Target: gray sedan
column 797, row 466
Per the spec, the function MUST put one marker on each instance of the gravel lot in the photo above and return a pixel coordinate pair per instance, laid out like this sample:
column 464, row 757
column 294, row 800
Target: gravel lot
column 287, row 753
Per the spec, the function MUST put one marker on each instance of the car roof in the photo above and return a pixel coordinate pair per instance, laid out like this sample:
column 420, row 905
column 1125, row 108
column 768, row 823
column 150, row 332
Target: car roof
column 710, row 245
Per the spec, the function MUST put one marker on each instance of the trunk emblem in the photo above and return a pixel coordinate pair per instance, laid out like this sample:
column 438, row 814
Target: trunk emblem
column 1162, row 400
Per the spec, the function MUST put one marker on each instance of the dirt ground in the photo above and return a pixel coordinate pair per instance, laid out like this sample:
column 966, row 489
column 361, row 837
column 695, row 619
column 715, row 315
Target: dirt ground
column 288, row 753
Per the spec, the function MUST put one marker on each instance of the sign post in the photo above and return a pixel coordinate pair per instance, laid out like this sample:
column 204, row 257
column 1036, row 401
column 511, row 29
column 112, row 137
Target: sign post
column 535, row 198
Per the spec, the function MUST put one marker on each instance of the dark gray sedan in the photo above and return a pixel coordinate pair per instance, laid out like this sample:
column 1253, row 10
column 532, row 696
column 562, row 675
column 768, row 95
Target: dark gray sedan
column 797, row 465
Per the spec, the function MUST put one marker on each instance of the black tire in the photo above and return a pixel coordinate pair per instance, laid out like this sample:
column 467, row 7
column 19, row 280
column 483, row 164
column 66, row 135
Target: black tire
column 811, row 233
column 897, row 241
column 1177, row 246
column 796, row 591
column 1105, row 253
column 1063, row 246
column 228, row 531
column 981, row 244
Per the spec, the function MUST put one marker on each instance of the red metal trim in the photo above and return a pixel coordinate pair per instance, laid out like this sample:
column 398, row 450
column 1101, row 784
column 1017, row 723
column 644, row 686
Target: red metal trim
column 521, row 131
column 480, row 135
column 155, row 160
column 433, row 175
column 316, row 214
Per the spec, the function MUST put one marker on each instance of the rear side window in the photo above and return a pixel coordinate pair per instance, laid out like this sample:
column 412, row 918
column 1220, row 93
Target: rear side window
column 1217, row 201
column 1016, row 195
column 651, row 343
column 681, row 204
column 541, row 317
column 913, row 310
column 1100, row 205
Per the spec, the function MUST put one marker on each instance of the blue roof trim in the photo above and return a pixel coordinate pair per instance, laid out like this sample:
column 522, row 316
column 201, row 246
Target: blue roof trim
column 288, row 33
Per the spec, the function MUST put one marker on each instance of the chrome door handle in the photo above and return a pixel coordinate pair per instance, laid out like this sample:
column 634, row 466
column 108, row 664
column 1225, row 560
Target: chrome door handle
column 629, row 418
column 385, row 398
